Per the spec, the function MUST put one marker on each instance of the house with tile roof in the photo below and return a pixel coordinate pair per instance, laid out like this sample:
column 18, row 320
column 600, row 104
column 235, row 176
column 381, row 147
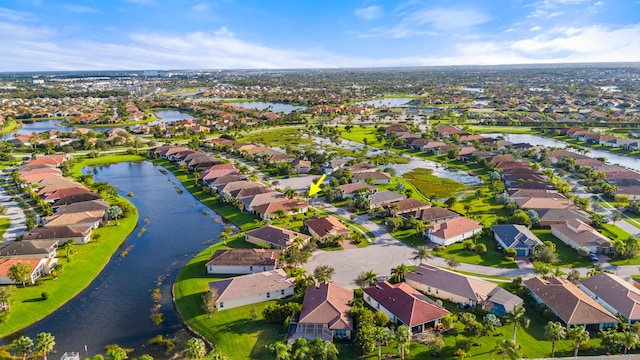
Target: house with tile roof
column 405, row 305
column 517, row 237
column 615, row 294
column 571, row 305
column 29, row 249
column 326, row 226
column 79, row 234
column 561, row 216
column 276, row 237
column 382, row 198
column 377, row 177
column 39, row 268
column 325, row 313
column 242, row 261
column 353, row 189
column 577, row 234
column 433, row 215
column 452, row 231
column 288, row 207
column 408, row 205
column 251, row 289
column 462, row 289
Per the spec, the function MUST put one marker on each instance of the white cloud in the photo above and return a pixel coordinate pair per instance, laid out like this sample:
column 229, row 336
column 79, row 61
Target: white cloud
column 535, row 28
column 79, row 9
column 13, row 15
column 369, row 13
column 200, row 7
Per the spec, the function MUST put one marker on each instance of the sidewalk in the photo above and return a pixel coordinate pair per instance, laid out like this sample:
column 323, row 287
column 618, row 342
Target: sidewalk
column 15, row 213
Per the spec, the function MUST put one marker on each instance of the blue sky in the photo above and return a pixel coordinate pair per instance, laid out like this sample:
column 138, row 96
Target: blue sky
column 233, row 34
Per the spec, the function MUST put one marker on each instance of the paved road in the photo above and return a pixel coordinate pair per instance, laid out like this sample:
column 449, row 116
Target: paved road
column 15, row 213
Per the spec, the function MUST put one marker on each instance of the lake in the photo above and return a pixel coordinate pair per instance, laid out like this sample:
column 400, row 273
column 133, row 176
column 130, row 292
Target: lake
column 169, row 116
column 627, row 161
column 275, row 107
column 388, row 102
column 115, row 307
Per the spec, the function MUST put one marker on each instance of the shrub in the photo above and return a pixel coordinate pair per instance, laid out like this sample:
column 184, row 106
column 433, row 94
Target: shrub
column 481, row 249
column 278, row 314
column 130, row 194
column 509, row 252
column 44, row 295
column 509, row 258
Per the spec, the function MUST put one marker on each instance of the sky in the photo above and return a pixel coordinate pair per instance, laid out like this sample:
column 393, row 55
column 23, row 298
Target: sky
column 44, row 35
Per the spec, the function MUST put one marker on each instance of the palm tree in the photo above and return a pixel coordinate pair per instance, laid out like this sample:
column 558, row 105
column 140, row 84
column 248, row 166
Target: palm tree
column 580, row 336
column 422, row 253
column 403, row 336
column 399, row 272
column 518, row 319
column 22, row 346
column 45, row 343
column 629, row 340
column 382, row 336
column 196, row 349
column 507, row 347
column 372, row 277
column 323, row 273
column 290, row 193
column 616, row 216
column 467, row 208
column 320, row 349
column 453, row 262
column 362, row 280
column 281, row 349
column 554, row 331
column 114, row 212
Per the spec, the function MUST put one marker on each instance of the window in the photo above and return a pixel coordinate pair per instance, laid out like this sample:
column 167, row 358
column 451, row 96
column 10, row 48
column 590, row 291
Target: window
column 221, row 305
column 268, row 295
column 341, row 333
column 251, row 268
column 282, row 292
column 436, row 291
column 428, row 288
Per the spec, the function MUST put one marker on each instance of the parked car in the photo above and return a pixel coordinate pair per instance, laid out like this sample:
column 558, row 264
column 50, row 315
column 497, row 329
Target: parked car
column 594, row 257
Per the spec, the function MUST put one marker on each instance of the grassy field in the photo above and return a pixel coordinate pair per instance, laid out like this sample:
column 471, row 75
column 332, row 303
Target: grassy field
column 491, row 258
column 427, row 183
column 9, row 127
column 28, row 307
column 502, row 129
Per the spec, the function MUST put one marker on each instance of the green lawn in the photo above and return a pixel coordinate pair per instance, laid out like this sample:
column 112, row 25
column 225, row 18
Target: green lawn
column 4, row 225
column 104, row 160
column 567, row 256
column 9, row 127
column 77, row 274
column 426, row 183
column 491, row 258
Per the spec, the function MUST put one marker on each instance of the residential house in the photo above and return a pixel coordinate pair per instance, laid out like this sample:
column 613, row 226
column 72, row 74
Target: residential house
column 383, row 198
column 405, row 305
column 58, row 194
column 29, row 249
column 326, row 227
column 561, row 216
column 517, row 237
column 242, row 261
column 433, row 215
column 350, row 190
column 251, row 202
column 301, row 166
column 614, row 294
column 86, row 218
column 545, row 203
column 333, row 165
column 92, row 205
column 251, row 289
column 39, row 267
column 408, row 205
column 362, row 168
column 376, row 178
column 288, row 207
column 79, row 234
column 570, row 304
column 462, row 289
column 277, row 238
column 577, row 234
column 72, row 199
column 325, row 313
column 452, row 231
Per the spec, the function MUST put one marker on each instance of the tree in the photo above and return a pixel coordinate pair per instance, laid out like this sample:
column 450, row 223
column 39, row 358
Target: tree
column 422, row 253
column 554, row 331
column 629, row 340
column 290, row 193
column 322, row 350
column 281, row 349
column 195, row 349
column 399, row 272
column 22, row 346
column 323, row 273
column 382, row 335
column 450, row 202
column 20, row 273
column 507, row 347
column 115, row 352
column 362, row 279
column 580, row 336
column 114, row 212
column 300, row 349
column 616, row 216
column 209, row 302
column 371, row 277
column 467, row 208
column 453, row 262
column 518, row 318
column 44, row 343
column 574, row 276
column 403, row 336
column 6, row 294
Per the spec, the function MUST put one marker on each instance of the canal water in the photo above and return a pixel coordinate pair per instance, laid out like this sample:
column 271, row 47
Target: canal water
column 115, row 308
column 275, row 107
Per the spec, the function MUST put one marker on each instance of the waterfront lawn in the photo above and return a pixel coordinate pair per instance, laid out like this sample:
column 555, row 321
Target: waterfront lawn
column 280, row 137
column 9, row 127
column 426, row 183
column 28, row 307
column 567, row 256
column 416, row 193
column 104, row 160
column 233, row 332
